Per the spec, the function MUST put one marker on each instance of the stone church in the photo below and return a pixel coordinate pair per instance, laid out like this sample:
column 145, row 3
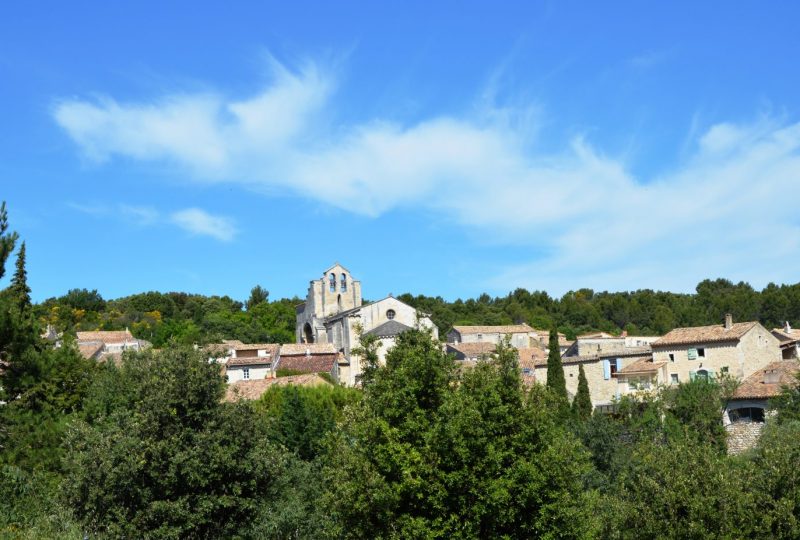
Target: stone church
column 334, row 313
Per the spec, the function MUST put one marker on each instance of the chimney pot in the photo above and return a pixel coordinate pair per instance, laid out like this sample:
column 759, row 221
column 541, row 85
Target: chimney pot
column 728, row 321
column 787, row 328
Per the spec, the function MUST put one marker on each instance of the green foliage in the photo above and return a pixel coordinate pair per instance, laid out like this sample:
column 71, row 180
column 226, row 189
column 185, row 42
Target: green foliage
column 696, row 409
column 161, row 456
column 7, row 239
column 300, row 417
column 787, row 404
column 258, row 295
column 582, row 404
column 286, row 372
column 429, row 453
column 555, row 374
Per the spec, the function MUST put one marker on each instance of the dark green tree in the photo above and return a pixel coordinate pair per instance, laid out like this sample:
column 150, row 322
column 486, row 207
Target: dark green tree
column 7, row 239
column 258, row 295
column 582, row 404
column 19, row 290
column 555, row 372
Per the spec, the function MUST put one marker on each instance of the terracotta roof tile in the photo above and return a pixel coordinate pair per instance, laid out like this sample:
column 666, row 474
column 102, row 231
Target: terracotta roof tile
column 779, row 374
column 704, row 334
column 471, row 350
column 316, row 363
column 302, row 348
column 506, row 329
column 271, row 348
column 91, row 349
column 250, row 360
column 643, row 365
column 106, row 336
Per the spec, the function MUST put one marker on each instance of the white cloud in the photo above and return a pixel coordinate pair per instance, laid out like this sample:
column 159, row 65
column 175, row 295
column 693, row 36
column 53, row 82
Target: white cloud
column 200, row 222
column 726, row 211
column 140, row 215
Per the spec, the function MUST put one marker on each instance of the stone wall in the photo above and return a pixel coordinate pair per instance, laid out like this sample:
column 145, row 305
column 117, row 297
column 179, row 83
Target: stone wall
column 743, row 436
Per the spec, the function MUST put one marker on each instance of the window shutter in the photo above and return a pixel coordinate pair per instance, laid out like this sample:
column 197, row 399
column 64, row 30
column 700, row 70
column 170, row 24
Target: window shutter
column 712, row 376
column 692, row 375
column 619, row 364
column 606, row 370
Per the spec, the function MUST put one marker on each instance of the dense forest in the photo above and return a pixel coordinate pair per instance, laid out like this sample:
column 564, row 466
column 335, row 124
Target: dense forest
column 191, row 318
column 148, row 448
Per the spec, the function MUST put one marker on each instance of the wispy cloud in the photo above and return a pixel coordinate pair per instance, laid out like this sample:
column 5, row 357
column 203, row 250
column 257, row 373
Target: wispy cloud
column 598, row 223
column 200, row 222
column 193, row 220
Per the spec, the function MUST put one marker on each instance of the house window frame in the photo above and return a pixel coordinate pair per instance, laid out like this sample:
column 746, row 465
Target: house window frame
column 674, row 378
column 391, row 314
column 246, row 374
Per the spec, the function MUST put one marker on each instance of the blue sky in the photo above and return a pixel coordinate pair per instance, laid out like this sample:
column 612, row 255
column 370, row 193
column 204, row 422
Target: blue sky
column 442, row 148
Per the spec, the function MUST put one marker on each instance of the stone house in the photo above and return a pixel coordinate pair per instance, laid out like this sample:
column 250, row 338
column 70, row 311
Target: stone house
column 601, row 373
column 736, row 349
column 103, row 345
column 789, row 341
column 251, row 361
column 521, row 335
column 471, row 352
column 748, row 409
column 603, row 343
column 334, row 313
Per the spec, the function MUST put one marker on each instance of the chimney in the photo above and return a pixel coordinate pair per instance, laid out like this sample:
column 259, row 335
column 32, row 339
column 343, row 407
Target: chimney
column 772, row 376
column 728, row 321
column 787, row 328
column 624, row 333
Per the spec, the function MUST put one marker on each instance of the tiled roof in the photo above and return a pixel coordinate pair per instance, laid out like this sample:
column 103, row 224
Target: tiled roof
column 271, row 348
column 599, row 335
column 388, row 329
column 317, row 363
column 754, row 387
column 628, row 353
column 253, row 389
column 643, row 365
column 106, row 336
column 792, row 335
column 91, row 349
column 530, row 357
column 704, row 334
column 471, row 350
column 507, row 329
column 310, row 348
column 250, row 361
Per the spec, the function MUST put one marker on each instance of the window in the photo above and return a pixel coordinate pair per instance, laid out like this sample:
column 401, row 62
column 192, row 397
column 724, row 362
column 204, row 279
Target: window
column 333, row 282
column 246, row 374
column 674, row 378
column 671, row 357
column 343, row 285
column 390, row 314
column 614, row 366
column 692, row 354
column 480, row 337
column 746, row 415
column 724, row 369
column 701, row 353
column 701, row 375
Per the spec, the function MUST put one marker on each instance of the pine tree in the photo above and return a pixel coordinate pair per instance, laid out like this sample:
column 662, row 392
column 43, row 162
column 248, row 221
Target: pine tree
column 582, row 404
column 555, row 371
column 19, row 289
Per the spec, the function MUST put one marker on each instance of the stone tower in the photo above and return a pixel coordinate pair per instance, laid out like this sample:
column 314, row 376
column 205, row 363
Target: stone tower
column 336, row 291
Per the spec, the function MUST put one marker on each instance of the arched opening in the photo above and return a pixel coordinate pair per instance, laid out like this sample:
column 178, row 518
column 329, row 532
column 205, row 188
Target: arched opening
column 332, row 279
column 343, row 284
column 308, row 335
column 339, row 302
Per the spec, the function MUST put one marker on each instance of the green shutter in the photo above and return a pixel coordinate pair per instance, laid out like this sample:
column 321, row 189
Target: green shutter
column 692, row 354
column 692, row 375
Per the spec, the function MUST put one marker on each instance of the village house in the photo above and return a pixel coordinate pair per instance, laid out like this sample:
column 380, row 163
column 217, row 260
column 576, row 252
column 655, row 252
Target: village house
column 748, row 408
column 604, row 343
column 334, row 313
column 471, row 352
column 601, row 372
column 251, row 361
column 103, row 345
column 789, row 341
column 521, row 335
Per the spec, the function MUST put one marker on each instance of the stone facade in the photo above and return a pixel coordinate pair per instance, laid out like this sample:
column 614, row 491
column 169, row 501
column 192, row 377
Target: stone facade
column 743, row 436
column 740, row 357
column 334, row 313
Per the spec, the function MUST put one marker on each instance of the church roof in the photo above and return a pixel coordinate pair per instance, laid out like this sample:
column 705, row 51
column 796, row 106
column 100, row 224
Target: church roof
column 388, row 329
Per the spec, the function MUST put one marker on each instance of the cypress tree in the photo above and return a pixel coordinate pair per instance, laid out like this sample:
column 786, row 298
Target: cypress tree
column 555, row 371
column 582, row 404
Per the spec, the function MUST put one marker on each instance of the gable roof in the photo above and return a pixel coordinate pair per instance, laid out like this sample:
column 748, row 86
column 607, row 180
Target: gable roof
column 106, row 336
column 643, row 365
column 271, row 348
column 318, row 363
column 792, row 335
column 600, row 335
column 471, row 350
column 249, row 361
column 91, row 349
column 294, row 349
column 388, row 329
column 754, row 387
column 716, row 333
column 503, row 329
column 530, row 357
